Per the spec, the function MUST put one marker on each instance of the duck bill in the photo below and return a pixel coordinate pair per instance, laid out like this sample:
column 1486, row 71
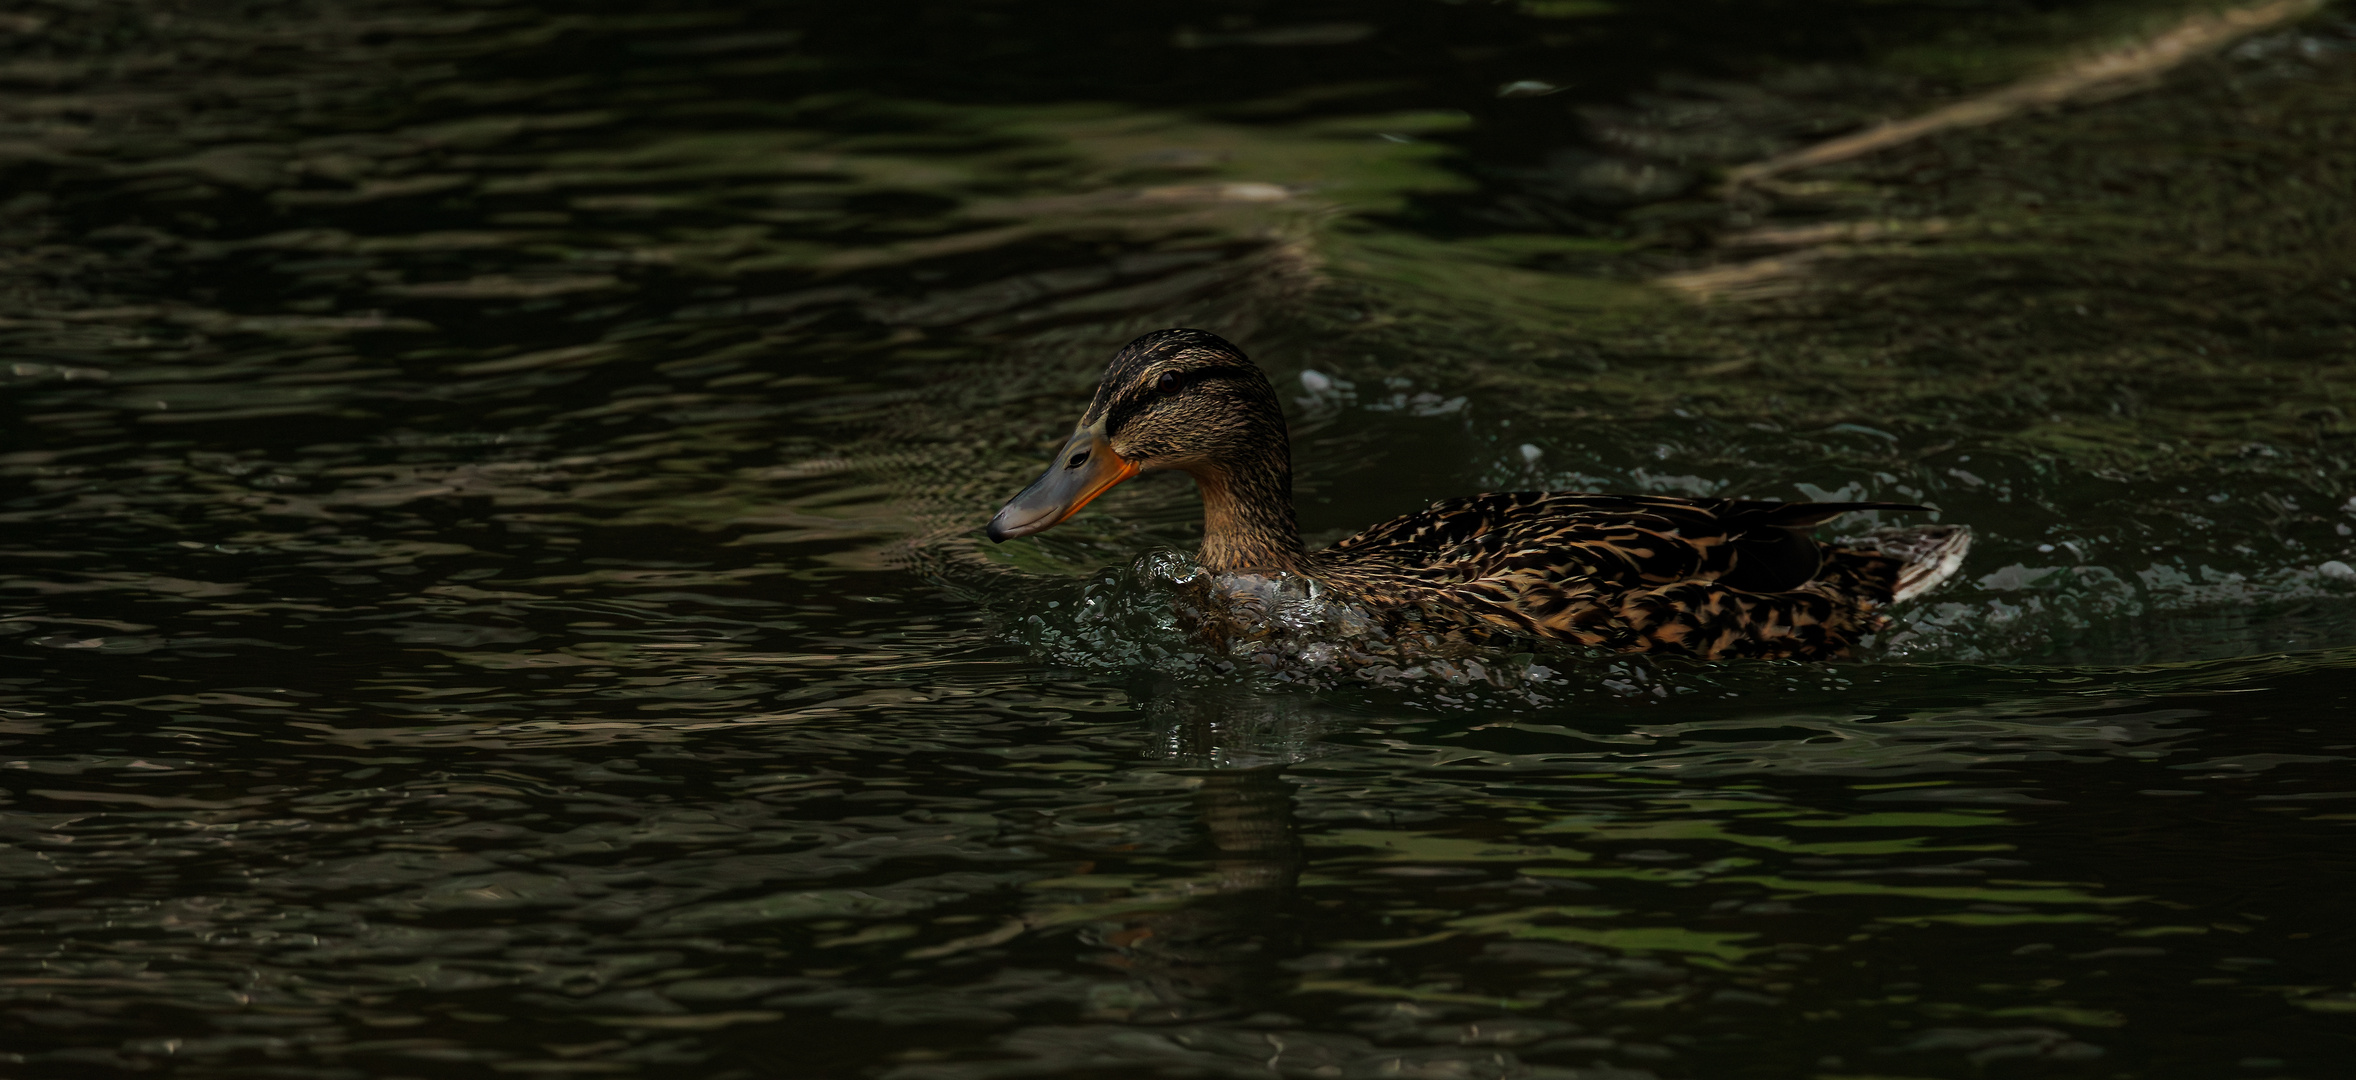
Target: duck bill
column 1065, row 487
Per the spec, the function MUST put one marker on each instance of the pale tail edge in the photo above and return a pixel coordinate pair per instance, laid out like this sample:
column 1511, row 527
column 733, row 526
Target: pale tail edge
column 1933, row 553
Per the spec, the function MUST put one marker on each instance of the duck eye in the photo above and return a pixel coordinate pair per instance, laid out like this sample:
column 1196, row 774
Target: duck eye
column 1077, row 460
column 1167, row 383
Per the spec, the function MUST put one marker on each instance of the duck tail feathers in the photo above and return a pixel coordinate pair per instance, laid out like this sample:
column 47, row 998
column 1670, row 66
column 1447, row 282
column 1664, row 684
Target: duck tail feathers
column 1927, row 555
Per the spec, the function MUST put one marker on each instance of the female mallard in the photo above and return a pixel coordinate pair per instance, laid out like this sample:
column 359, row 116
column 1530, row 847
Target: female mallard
column 1633, row 573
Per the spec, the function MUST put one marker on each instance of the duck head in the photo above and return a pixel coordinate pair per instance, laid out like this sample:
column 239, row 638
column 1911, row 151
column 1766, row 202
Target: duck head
column 1185, row 400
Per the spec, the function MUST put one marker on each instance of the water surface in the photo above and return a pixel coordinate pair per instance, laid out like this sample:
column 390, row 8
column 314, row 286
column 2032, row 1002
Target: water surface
column 490, row 575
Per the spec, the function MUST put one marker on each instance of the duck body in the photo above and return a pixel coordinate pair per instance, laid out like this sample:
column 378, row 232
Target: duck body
column 1631, row 573
column 1710, row 578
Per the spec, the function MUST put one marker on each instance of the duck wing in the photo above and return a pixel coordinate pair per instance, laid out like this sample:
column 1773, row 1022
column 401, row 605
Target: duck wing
column 1605, row 542
column 1707, row 577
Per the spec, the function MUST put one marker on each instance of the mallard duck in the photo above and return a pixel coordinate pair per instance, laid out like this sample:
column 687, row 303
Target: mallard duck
column 1708, row 578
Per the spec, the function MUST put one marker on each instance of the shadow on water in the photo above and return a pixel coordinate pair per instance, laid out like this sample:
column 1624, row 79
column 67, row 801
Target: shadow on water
column 490, row 580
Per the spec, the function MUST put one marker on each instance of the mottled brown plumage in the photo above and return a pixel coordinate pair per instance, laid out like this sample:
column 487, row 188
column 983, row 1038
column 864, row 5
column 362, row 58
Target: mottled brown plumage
column 1632, row 573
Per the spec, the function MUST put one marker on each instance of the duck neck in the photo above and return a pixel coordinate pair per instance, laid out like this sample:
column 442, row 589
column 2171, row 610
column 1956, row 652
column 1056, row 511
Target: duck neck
column 1248, row 517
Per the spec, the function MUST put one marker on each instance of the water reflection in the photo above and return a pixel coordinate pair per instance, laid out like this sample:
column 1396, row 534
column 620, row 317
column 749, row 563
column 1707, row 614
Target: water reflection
column 1217, row 955
column 1520, row 918
column 1232, row 727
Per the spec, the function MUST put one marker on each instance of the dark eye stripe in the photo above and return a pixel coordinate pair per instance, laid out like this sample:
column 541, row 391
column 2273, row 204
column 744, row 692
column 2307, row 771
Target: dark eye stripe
column 1130, row 404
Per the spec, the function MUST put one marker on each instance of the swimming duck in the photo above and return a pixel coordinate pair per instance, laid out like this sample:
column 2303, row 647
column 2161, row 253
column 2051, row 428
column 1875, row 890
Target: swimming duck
column 1708, row 578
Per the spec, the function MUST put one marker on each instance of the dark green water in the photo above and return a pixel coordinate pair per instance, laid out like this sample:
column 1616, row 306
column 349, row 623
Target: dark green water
column 489, row 580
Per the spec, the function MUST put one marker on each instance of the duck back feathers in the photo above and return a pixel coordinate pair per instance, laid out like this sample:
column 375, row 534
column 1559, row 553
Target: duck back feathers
column 1633, row 573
